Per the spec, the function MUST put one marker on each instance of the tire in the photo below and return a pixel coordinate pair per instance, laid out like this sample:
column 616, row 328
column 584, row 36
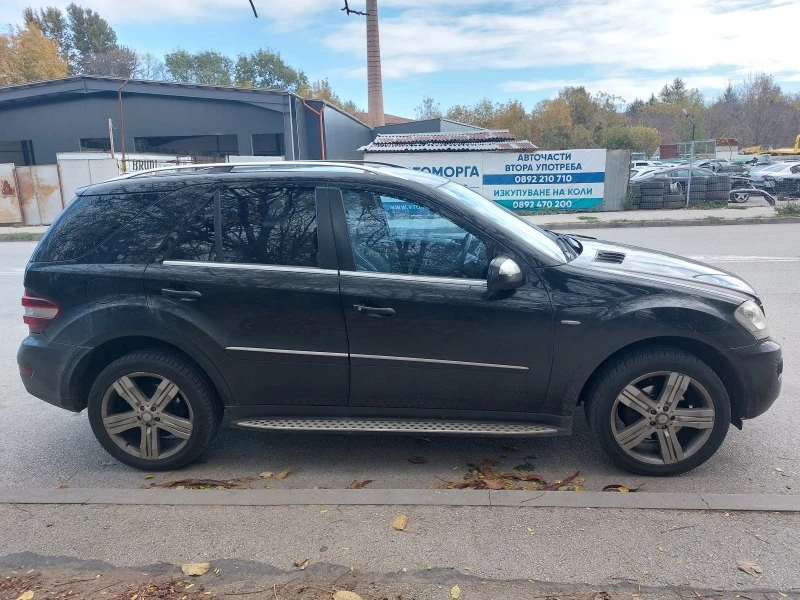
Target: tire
column 739, row 197
column 180, row 427
column 674, row 201
column 646, row 456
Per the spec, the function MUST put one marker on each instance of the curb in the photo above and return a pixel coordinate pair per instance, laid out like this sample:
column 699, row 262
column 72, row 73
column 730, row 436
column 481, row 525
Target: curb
column 673, row 223
column 304, row 497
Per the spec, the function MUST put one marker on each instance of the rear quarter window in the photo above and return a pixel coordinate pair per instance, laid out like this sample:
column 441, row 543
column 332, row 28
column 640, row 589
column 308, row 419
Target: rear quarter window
column 87, row 222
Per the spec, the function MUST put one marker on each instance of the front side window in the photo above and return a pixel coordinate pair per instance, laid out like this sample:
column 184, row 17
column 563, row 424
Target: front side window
column 394, row 235
column 272, row 225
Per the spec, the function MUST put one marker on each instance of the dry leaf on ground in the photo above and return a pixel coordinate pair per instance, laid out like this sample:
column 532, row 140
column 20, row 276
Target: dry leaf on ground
column 557, row 484
column 26, row 595
column 267, row 475
column 455, row 592
column 616, row 488
column 417, row 460
column 360, row 485
column 195, row 569
column 400, row 522
column 495, row 484
column 205, row 484
column 345, row 595
column 282, row 474
column 750, row 568
column 301, row 563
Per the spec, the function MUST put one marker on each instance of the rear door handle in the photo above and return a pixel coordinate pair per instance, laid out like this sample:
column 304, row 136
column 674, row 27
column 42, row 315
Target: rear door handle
column 372, row 311
column 181, row 294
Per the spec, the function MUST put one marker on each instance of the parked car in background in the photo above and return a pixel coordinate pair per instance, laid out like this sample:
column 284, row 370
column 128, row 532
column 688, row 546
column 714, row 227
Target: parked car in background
column 646, row 163
column 679, row 175
column 643, row 172
column 785, row 182
column 780, row 169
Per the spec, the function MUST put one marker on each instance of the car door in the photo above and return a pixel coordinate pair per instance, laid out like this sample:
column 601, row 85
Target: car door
column 252, row 280
column 424, row 332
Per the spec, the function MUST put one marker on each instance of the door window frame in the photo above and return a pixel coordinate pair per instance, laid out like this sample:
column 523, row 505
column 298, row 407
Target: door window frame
column 344, row 243
column 327, row 251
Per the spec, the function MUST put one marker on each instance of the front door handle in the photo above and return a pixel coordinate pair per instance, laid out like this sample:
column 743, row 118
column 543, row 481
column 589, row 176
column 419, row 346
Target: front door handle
column 372, row 311
column 182, row 294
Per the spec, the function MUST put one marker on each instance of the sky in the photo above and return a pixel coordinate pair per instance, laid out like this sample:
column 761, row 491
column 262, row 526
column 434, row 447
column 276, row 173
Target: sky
column 460, row 51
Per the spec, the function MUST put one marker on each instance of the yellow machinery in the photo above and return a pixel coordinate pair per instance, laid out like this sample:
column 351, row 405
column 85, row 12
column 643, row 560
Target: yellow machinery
column 774, row 151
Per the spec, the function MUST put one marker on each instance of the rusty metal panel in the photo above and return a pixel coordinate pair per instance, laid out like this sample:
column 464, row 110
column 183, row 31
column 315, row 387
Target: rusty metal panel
column 26, row 192
column 9, row 201
column 39, row 194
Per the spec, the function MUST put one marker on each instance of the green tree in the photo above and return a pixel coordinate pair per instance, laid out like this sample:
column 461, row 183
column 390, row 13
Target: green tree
column 321, row 90
column 635, row 138
column 206, row 67
column 51, row 22
column 119, row 61
column 429, row 109
column 81, row 34
column 266, row 69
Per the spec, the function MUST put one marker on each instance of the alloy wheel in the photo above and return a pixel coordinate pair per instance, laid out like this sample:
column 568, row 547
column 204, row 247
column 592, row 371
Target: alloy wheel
column 147, row 416
column 663, row 418
column 741, row 197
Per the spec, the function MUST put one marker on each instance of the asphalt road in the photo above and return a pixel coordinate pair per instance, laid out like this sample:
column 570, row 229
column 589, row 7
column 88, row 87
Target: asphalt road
column 43, row 447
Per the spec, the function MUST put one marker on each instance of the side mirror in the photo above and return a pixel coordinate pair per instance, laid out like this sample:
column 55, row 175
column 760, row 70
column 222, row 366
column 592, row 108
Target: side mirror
column 504, row 274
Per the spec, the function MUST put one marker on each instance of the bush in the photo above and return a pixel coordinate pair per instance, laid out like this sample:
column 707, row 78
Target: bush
column 790, row 209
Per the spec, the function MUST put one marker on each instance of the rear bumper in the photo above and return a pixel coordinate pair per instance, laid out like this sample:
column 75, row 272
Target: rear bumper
column 760, row 371
column 52, row 365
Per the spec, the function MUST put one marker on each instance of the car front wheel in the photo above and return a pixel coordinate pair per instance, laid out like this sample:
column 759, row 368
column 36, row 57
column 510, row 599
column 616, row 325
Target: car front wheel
column 659, row 411
column 152, row 410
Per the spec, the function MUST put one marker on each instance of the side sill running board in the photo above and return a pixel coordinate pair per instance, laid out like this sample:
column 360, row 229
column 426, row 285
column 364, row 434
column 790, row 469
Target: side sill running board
column 365, row 425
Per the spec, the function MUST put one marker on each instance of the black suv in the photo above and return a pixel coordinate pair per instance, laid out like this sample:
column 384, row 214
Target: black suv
column 360, row 297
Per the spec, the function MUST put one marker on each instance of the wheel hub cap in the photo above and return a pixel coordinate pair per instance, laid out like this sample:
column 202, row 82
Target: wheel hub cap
column 147, row 416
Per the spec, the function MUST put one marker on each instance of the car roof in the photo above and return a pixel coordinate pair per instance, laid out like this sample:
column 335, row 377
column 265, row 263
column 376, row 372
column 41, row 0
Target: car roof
column 175, row 177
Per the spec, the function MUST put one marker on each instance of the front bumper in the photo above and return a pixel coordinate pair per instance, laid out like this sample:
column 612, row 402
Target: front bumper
column 760, row 370
column 52, row 366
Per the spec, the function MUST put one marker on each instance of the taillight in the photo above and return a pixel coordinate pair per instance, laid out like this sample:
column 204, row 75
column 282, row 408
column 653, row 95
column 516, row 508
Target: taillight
column 39, row 312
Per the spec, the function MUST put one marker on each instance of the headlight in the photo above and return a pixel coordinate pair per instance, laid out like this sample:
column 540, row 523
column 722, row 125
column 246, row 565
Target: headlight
column 750, row 315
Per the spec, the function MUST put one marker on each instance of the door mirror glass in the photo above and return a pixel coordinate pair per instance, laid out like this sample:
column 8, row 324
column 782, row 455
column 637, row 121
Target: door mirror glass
column 504, row 274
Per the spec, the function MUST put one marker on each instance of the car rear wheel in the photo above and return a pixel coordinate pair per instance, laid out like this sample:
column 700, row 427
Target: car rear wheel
column 740, row 197
column 152, row 410
column 659, row 411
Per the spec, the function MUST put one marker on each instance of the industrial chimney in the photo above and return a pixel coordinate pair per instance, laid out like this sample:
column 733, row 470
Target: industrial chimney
column 374, row 77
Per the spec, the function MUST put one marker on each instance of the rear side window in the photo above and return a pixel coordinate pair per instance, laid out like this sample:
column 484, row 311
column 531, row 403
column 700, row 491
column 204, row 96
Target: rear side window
column 273, row 225
column 87, row 221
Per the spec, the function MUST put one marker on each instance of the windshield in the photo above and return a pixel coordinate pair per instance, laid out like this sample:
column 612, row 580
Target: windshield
column 539, row 239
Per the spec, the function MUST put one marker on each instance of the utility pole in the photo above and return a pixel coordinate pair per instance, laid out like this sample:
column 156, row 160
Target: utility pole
column 691, row 157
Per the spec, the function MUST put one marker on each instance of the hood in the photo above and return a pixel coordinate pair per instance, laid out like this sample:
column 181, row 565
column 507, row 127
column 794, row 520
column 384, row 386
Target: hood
column 620, row 258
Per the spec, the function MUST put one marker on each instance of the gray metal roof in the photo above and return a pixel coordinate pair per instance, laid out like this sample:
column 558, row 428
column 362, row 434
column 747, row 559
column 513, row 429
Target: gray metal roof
column 84, row 84
column 457, row 141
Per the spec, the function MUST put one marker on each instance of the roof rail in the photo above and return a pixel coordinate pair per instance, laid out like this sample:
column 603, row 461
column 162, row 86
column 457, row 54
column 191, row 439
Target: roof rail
column 206, row 168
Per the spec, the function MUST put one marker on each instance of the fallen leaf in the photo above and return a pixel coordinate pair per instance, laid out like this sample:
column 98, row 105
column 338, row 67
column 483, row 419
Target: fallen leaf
column 661, row 548
column 400, row 522
column 616, row 488
column 323, row 511
column 360, row 485
column 149, row 476
column 417, row 460
column 345, row 595
column 301, row 563
column 267, row 475
column 455, row 592
column 557, row 484
column 26, row 595
column 282, row 474
column 195, row 569
column 750, row 568
column 495, row 484
column 205, row 484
